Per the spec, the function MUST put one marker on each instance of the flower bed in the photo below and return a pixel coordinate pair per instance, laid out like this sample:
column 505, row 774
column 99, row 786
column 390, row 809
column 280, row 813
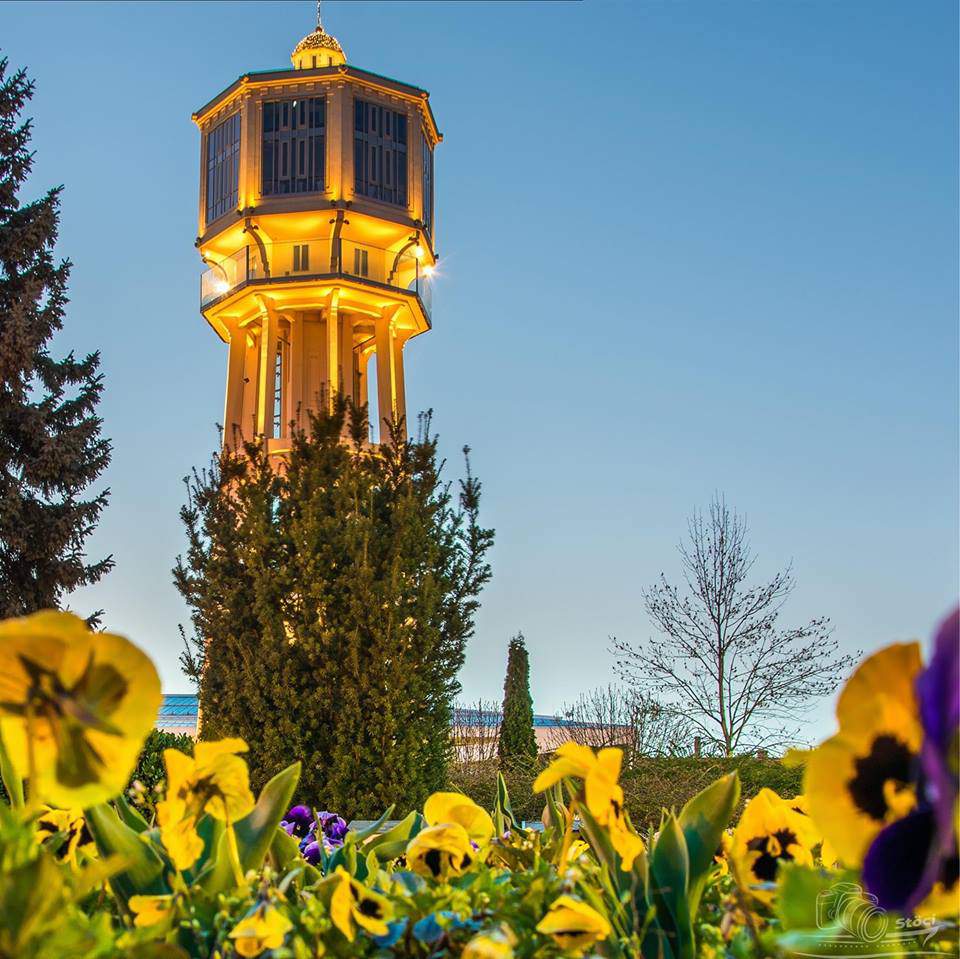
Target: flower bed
column 221, row 873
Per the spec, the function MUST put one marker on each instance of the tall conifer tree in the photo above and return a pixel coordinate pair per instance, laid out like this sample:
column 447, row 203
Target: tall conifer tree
column 331, row 604
column 51, row 449
column 518, row 741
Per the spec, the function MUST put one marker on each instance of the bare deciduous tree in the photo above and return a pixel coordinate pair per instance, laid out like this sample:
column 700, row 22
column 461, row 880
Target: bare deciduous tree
column 725, row 664
column 475, row 732
column 616, row 716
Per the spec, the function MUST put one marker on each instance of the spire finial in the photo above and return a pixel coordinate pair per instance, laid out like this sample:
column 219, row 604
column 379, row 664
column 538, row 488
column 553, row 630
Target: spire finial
column 319, row 16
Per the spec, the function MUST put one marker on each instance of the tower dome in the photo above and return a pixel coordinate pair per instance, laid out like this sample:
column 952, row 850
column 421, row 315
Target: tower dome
column 317, row 49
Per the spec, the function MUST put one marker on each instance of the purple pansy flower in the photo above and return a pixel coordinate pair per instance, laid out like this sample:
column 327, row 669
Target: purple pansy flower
column 911, row 855
column 313, row 852
column 298, row 822
column 334, row 827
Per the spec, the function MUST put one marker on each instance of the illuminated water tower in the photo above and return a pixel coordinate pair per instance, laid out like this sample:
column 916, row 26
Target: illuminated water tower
column 317, row 230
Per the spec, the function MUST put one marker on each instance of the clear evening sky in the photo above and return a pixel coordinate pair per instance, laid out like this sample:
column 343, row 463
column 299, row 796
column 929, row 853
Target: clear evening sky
column 686, row 248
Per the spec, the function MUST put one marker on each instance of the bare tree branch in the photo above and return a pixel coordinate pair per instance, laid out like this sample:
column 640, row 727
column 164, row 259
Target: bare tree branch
column 739, row 679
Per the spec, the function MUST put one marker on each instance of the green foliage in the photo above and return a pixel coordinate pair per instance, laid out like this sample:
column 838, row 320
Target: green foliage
column 331, row 604
column 518, row 742
column 150, row 772
column 650, row 784
column 51, row 449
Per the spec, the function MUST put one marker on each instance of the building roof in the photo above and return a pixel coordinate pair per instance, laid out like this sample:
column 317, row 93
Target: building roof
column 181, row 710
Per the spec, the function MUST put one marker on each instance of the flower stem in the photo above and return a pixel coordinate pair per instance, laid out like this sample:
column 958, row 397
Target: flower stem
column 234, row 855
column 12, row 780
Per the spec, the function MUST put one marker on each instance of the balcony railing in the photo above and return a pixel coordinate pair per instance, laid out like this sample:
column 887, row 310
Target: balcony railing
column 316, row 259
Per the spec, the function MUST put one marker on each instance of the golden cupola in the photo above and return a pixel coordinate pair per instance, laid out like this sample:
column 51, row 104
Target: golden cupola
column 317, row 49
column 317, row 232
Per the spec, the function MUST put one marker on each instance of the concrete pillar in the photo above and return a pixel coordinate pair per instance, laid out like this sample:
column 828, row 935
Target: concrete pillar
column 233, row 402
column 333, row 347
column 346, row 356
column 248, row 188
column 386, row 389
column 334, row 160
column 266, row 371
column 296, row 406
column 399, row 390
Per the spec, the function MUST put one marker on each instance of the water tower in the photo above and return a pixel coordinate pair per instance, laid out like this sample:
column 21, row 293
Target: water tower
column 317, row 230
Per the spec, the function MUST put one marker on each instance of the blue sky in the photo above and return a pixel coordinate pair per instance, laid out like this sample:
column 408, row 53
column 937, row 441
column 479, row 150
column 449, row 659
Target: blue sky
column 686, row 248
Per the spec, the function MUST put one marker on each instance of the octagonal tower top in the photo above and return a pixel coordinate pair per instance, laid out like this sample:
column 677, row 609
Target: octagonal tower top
column 317, row 49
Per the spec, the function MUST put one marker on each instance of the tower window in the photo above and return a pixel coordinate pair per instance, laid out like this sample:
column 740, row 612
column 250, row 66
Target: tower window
column 294, row 140
column 223, row 167
column 380, row 152
column 301, row 257
column 279, row 372
column 427, row 186
column 361, row 263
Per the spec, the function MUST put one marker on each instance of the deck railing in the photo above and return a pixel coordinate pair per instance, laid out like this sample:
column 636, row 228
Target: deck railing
column 316, row 259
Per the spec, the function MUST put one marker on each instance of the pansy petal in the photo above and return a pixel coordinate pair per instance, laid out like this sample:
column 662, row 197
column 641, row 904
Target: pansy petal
column 898, row 868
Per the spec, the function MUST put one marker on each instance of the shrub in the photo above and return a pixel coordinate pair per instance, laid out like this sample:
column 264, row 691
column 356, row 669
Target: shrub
column 649, row 785
column 149, row 771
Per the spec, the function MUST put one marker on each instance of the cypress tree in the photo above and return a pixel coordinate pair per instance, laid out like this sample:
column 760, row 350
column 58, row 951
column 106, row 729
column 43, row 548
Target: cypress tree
column 518, row 742
column 51, row 449
column 331, row 604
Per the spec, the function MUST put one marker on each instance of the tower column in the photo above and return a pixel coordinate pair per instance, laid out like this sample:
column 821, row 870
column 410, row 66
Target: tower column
column 267, row 369
column 399, row 390
column 333, row 347
column 386, row 381
column 233, row 402
column 346, row 356
column 296, row 404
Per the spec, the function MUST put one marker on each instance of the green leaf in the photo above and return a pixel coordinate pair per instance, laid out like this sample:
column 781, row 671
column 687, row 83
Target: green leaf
column 800, row 889
column 143, row 872
column 362, row 834
column 503, row 817
column 669, row 885
column 393, row 843
column 703, row 820
column 130, row 815
column 210, row 830
column 255, row 832
column 285, row 851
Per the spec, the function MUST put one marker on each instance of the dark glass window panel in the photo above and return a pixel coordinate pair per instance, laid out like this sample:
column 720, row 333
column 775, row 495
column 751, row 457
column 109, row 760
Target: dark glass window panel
column 427, row 186
column 223, row 167
column 380, row 152
column 294, row 135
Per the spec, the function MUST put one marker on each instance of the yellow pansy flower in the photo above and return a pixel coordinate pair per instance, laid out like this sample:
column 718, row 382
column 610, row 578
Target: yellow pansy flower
column 77, row 840
column 444, row 807
column 860, row 780
column 574, row 925
column 493, row 945
column 440, row 851
column 769, row 832
column 216, row 781
column 265, row 928
column 353, row 904
column 150, row 910
column 624, row 840
column 89, row 700
column 572, row 761
column 603, row 794
column 722, row 857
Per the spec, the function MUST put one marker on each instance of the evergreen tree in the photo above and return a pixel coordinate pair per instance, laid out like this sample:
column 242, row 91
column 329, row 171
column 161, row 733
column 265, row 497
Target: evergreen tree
column 51, row 449
column 331, row 604
column 518, row 741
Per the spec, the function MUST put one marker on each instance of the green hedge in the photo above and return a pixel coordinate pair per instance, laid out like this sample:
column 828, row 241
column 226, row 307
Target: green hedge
column 150, row 770
column 651, row 784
